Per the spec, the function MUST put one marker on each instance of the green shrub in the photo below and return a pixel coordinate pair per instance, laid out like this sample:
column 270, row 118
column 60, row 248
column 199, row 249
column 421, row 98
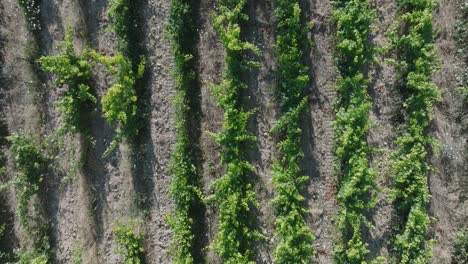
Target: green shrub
column 130, row 241
column 295, row 240
column 73, row 72
column 233, row 192
column 412, row 39
column 356, row 180
column 185, row 182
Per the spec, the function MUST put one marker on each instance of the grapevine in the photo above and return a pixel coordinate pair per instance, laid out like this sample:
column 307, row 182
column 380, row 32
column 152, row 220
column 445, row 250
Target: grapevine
column 295, row 240
column 72, row 72
column 412, row 39
column 356, row 181
column 185, row 183
column 233, row 192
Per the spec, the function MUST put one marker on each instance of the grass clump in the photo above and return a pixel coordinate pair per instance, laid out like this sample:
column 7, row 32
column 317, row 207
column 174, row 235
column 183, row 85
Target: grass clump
column 295, row 239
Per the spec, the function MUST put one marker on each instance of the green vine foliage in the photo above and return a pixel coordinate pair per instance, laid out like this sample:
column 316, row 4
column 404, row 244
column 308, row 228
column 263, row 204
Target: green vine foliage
column 413, row 41
column 130, row 241
column 73, row 72
column 125, row 21
column 120, row 102
column 5, row 254
column 120, row 22
column 461, row 30
column 185, row 182
column 31, row 258
column 460, row 248
column 461, row 40
column 295, row 240
column 31, row 164
column 356, row 181
column 233, row 192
